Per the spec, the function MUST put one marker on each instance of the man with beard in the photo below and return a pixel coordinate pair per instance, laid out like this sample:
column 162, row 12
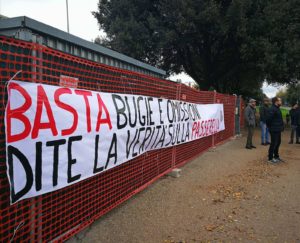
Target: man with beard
column 276, row 126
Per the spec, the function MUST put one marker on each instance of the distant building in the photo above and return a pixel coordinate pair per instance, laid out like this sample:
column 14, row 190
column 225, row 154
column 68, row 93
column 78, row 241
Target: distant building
column 3, row 17
column 28, row 29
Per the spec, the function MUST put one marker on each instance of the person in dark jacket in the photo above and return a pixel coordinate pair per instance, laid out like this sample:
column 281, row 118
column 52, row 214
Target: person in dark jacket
column 263, row 110
column 250, row 122
column 298, row 121
column 294, row 123
column 276, row 126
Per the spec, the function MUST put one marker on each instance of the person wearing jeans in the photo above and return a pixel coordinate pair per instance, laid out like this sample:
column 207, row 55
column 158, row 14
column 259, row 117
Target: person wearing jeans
column 264, row 133
column 276, row 126
column 263, row 110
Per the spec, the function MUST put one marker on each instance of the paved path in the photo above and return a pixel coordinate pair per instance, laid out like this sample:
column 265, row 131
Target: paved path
column 227, row 195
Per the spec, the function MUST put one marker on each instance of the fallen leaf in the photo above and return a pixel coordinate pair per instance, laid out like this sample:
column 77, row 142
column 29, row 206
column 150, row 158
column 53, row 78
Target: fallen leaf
column 210, row 227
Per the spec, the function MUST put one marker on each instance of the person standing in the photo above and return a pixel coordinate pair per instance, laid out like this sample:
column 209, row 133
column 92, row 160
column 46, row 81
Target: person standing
column 294, row 123
column 276, row 126
column 287, row 119
column 298, row 121
column 250, row 122
column 263, row 111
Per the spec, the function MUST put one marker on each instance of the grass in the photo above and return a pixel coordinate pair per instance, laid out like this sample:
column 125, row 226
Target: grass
column 284, row 111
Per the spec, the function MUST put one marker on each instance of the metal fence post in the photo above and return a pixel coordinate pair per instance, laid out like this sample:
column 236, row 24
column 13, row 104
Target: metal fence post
column 36, row 204
column 178, row 97
column 235, row 114
column 213, row 136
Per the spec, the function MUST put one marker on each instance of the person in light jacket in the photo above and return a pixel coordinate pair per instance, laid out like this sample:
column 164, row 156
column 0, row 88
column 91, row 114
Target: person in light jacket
column 250, row 122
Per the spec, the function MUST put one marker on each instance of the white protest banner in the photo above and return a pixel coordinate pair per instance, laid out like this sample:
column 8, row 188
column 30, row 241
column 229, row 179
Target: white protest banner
column 57, row 136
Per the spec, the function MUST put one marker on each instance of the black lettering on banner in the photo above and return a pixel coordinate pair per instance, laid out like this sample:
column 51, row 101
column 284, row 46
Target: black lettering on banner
column 160, row 110
column 134, row 154
column 182, row 135
column 174, row 134
column 147, row 111
column 139, row 110
column 72, row 161
column 120, row 110
column 158, row 129
column 186, row 111
column 177, row 133
column 129, row 144
column 191, row 113
column 177, row 108
column 11, row 152
column 182, row 110
column 146, row 137
column 150, row 111
column 97, row 170
column 153, row 131
column 112, row 152
column 187, row 135
column 132, row 124
column 196, row 112
column 170, row 135
column 55, row 144
column 162, row 138
column 169, row 105
column 38, row 166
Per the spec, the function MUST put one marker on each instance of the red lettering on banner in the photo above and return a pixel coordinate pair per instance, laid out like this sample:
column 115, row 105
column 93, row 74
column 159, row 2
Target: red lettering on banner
column 68, row 108
column 205, row 128
column 18, row 114
column 196, row 129
column 42, row 101
column 85, row 95
column 100, row 120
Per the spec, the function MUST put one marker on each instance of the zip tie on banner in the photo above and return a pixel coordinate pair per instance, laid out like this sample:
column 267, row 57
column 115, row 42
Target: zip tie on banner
column 15, row 75
column 6, row 84
column 20, row 225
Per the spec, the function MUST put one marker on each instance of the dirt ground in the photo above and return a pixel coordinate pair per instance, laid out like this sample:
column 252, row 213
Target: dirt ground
column 229, row 194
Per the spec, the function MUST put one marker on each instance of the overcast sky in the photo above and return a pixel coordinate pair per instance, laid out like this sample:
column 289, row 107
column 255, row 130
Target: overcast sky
column 53, row 12
column 82, row 22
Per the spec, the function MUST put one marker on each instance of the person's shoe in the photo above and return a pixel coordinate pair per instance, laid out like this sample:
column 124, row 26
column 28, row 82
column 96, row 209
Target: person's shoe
column 280, row 160
column 263, row 144
column 273, row 161
column 268, row 143
column 291, row 142
column 253, row 146
column 297, row 142
column 247, row 147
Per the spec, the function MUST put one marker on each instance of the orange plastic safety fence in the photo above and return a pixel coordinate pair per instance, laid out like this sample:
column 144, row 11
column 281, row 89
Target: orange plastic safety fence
column 58, row 215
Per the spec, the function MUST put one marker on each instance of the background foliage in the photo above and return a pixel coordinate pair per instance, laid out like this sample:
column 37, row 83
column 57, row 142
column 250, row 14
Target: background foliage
column 227, row 45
